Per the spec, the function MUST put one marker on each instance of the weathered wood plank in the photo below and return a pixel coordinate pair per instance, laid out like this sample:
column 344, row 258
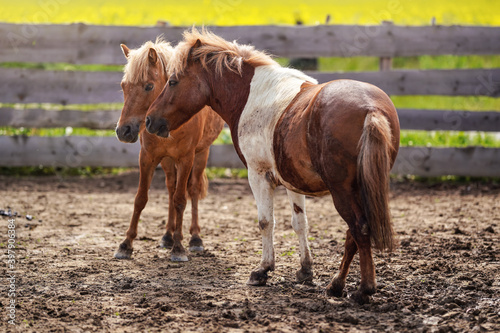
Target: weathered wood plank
column 415, row 119
column 448, row 120
column 109, row 152
column 68, row 87
column 433, row 162
column 463, row 82
column 40, row 118
column 59, row 87
column 71, row 151
column 74, row 151
column 81, row 44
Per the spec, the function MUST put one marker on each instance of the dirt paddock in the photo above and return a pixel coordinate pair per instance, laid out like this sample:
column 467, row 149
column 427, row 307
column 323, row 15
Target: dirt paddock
column 444, row 276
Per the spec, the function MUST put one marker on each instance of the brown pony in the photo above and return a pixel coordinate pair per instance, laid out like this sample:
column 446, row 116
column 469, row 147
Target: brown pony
column 183, row 155
column 339, row 138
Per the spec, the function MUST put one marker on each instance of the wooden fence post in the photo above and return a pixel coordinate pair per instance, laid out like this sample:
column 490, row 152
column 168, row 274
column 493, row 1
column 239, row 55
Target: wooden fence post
column 304, row 64
column 385, row 63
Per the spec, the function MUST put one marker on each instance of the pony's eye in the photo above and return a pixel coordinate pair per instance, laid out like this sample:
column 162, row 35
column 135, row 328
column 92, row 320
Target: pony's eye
column 149, row 87
column 172, row 83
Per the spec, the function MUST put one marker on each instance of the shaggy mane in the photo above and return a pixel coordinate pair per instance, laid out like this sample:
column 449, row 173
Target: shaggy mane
column 136, row 69
column 216, row 51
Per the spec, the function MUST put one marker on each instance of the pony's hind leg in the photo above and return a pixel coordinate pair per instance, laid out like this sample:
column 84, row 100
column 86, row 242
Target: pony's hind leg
column 184, row 166
column 336, row 287
column 349, row 208
column 299, row 224
column 197, row 189
column 263, row 191
column 147, row 166
column 168, row 166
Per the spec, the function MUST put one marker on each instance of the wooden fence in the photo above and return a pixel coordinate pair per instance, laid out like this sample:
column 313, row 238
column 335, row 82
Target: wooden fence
column 84, row 44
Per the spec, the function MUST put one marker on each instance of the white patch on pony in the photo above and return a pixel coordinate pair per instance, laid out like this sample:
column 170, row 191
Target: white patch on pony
column 271, row 90
column 300, row 225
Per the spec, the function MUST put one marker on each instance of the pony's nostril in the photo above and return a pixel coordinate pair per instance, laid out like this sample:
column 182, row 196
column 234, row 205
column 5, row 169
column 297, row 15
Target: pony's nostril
column 126, row 130
column 148, row 121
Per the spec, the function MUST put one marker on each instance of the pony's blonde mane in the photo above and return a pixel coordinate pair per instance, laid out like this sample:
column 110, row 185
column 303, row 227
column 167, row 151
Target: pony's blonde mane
column 215, row 51
column 136, row 69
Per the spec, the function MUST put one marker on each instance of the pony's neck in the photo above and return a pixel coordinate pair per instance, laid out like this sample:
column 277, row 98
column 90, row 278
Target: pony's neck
column 229, row 96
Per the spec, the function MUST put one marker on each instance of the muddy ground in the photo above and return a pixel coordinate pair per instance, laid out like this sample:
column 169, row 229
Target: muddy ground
column 444, row 277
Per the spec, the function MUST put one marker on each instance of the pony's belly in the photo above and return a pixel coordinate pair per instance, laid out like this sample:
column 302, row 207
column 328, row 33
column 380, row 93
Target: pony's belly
column 318, row 192
column 303, row 181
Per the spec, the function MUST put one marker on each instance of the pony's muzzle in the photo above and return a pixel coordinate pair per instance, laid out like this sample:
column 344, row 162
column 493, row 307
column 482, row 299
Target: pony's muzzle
column 158, row 126
column 127, row 133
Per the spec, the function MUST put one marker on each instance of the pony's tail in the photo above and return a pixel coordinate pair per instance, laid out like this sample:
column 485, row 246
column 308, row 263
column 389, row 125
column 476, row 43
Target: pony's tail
column 203, row 185
column 374, row 164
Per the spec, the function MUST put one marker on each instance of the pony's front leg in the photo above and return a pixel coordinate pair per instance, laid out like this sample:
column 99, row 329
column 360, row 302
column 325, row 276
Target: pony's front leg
column 168, row 165
column 184, row 167
column 299, row 224
column 147, row 167
column 263, row 192
column 197, row 189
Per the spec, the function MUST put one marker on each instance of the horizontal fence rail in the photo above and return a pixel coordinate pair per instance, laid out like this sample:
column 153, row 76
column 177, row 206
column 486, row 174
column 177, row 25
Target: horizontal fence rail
column 411, row 119
column 75, row 87
column 109, row 152
column 92, row 44
column 40, row 118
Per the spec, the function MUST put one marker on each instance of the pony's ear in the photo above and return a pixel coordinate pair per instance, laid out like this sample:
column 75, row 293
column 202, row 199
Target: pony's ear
column 125, row 50
column 195, row 46
column 153, row 56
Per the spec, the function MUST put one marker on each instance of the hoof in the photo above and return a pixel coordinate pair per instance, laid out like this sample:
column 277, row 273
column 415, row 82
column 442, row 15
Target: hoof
column 196, row 244
column 167, row 242
column 124, row 251
column 257, row 278
column 178, row 257
column 335, row 289
column 304, row 275
column 360, row 297
column 178, row 254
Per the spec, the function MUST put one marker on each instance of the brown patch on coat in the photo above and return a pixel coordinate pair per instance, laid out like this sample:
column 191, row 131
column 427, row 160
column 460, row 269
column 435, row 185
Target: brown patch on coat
column 271, row 179
column 297, row 209
column 263, row 224
column 290, row 144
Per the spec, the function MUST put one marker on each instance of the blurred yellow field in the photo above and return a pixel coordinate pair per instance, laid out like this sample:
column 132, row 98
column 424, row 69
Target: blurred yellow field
column 238, row 12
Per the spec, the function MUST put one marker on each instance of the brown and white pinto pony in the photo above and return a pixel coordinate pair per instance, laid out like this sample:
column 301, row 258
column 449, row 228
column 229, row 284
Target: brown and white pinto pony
column 183, row 155
column 340, row 137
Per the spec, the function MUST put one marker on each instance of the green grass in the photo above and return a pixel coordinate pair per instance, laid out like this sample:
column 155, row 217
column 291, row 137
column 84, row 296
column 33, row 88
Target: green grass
column 215, row 172
column 62, row 66
column 69, row 131
column 448, row 139
column 359, row 64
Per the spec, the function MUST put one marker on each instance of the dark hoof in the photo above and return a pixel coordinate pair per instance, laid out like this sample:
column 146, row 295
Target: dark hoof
column 178, row 254
column 196, row 244
column 335, row 289
column 167, row 242
column 360, row 297
column 124, row 251
column 304, row 275
column 257, row 278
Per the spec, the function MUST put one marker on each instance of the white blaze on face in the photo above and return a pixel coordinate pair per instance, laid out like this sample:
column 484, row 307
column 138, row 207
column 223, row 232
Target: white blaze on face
column 271, row 90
